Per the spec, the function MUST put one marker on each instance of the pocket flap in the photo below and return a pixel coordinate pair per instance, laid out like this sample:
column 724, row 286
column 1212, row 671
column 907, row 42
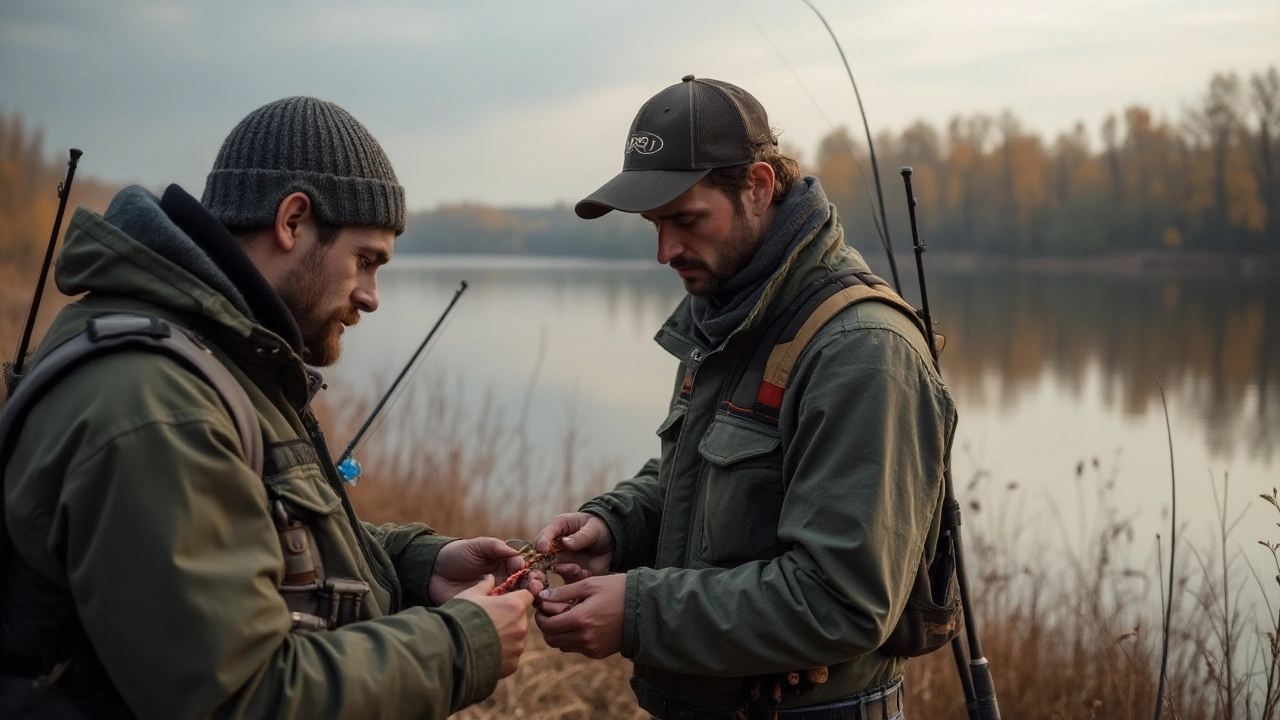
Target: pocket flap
column 728, row 441
column 673, row 418
column 292, row 472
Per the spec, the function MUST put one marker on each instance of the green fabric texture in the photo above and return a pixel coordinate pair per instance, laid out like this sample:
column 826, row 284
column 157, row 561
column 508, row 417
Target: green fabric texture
column 751, row 550
column 129, row 488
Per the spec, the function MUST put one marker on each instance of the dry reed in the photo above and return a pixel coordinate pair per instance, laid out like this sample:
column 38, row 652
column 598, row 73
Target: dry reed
column 1071, row 629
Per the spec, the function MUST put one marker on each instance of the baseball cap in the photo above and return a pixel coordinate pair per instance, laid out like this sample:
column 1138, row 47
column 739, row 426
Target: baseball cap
column 680, row 135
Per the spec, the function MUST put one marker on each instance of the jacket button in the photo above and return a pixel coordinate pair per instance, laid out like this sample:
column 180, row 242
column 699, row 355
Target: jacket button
column 696, row 355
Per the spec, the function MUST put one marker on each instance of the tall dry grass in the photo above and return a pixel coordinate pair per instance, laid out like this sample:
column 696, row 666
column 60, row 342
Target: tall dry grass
column 1071, row 627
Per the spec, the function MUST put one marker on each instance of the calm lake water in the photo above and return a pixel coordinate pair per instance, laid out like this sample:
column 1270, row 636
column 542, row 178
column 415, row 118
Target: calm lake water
column 1057, row 379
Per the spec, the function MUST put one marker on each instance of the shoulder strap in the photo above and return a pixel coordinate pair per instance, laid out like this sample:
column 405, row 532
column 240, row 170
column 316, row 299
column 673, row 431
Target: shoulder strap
column 759, row 391
column 112, row 333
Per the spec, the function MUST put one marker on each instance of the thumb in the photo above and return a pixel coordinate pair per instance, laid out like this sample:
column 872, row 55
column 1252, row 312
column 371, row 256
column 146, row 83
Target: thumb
column 583, row 538
column 491, row 547
column 566, row 593
column 479, row 590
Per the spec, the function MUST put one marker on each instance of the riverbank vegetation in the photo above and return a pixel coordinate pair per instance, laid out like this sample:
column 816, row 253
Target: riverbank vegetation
column 1072, row 627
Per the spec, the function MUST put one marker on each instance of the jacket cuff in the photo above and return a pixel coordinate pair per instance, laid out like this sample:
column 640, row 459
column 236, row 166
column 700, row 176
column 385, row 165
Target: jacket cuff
column 415, row 565
column 631, row 615
column 621, row 549
column 477, row 660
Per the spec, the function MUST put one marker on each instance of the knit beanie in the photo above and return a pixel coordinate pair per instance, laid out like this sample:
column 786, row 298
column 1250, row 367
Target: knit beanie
column 301, row 144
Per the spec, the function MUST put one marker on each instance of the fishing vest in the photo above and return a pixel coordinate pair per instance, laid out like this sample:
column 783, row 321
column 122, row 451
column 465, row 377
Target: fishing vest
column 43, row 651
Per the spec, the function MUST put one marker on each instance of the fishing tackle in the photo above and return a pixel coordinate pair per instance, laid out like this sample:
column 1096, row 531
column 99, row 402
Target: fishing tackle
column 975, row 676
column 348, row 466
column 14, row 372
column 875, row 168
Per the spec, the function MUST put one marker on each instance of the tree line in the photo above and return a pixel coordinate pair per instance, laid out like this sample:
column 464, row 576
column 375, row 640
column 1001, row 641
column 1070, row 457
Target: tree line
column 1208, row 181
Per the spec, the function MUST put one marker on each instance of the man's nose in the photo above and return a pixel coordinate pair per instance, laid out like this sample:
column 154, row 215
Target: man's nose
column 668, row 246
column 365, row 297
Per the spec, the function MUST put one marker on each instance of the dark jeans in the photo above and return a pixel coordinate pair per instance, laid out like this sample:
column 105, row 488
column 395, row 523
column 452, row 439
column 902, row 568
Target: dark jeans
column 882, row 703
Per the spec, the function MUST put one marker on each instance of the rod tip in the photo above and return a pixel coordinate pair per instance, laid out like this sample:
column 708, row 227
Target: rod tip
column 906, row 171
column 76, row 153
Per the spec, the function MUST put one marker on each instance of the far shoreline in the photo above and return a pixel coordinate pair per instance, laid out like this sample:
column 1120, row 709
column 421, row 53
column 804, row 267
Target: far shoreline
column 1131, row 264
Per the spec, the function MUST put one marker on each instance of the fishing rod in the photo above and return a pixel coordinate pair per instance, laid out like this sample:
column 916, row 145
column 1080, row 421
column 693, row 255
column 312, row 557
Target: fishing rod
column 979, row 689
column 1173, row 548
column 875, row 168
column 348, row 467
column 64, row 191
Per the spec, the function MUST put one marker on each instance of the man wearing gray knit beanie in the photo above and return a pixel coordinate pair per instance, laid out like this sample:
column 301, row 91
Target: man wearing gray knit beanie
column 208, row 562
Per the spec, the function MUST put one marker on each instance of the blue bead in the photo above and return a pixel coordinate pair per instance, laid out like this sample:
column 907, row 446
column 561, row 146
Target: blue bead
column 350, row 470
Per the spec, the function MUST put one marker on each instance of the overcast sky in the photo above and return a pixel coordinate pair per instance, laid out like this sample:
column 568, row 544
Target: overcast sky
column 524, row 102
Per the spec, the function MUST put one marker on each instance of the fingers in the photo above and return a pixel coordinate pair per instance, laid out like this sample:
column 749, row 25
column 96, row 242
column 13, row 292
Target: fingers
column 569, row 593
column 583, row 537
column 514, row 616
column 550, row 609
column 535, row 583
column 559, row 526
column 571, row 572
column 491, row 548
column 556, row 620
column 479, row 590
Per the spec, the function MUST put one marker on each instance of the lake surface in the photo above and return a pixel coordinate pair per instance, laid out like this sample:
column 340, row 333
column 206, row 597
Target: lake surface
column 1057, row 379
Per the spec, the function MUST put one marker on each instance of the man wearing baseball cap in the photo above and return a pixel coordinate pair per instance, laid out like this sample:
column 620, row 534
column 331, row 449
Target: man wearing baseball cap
column 759, row 564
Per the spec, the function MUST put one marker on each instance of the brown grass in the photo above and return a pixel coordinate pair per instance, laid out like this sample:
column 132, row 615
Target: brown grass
column 1070, row 629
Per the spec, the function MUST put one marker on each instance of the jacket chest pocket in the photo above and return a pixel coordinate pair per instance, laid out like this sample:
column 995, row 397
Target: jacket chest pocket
column 292, row 473
column 742, row 493
column 322, row 584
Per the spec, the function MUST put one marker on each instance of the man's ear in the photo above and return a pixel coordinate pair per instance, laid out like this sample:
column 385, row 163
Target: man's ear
column 762, row 179
column 292, row 220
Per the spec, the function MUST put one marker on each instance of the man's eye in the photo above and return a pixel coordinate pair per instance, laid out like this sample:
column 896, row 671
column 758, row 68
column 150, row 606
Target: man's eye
column 687, row 222
column 365, row 262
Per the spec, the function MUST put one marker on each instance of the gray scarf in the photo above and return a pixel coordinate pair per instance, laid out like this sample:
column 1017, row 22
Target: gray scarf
column 803, row 211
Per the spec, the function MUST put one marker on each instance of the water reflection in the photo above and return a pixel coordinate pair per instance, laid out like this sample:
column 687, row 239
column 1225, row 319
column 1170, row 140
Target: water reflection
column 1213, row 344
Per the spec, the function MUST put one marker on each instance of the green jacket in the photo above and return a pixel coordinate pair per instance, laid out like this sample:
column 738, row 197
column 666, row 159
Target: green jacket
column 752, row 551
column 129, row 488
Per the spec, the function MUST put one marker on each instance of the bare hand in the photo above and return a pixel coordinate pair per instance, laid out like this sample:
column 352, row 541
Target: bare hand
column 509, row 614
column 591, row 623
column 461, row 563
column 587, row 545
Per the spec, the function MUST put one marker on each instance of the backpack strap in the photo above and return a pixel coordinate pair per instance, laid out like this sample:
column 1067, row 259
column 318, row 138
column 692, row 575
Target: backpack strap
column 116, row 332
column 758, row 394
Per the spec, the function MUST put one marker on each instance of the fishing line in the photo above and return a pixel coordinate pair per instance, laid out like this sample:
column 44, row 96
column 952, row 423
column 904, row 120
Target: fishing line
column 1173, row 545
column 382, row 417
column 834, row 130
column 881, row 223
column 348, row 466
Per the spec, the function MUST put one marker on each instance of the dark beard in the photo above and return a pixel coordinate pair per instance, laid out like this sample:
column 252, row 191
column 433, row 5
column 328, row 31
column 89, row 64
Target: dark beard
column 303, row 292
column 740, row 246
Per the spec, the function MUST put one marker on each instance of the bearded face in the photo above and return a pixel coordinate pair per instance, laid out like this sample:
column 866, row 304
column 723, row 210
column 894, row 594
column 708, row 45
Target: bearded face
column 314, row 299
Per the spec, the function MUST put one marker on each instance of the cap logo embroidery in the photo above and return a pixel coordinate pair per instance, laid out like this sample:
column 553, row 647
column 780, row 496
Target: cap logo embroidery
column 644, row 143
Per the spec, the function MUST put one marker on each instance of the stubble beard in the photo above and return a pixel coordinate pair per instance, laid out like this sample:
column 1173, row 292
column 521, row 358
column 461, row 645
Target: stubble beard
column 739, row 247
column 303, row 291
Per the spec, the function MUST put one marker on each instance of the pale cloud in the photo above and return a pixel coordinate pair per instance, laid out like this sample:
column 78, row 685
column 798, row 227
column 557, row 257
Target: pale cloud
column 364, row 25
column 512, row 102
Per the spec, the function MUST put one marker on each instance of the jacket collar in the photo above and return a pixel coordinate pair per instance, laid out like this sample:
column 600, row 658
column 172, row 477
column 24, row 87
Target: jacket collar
column 262, row 303
column 822, row 252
